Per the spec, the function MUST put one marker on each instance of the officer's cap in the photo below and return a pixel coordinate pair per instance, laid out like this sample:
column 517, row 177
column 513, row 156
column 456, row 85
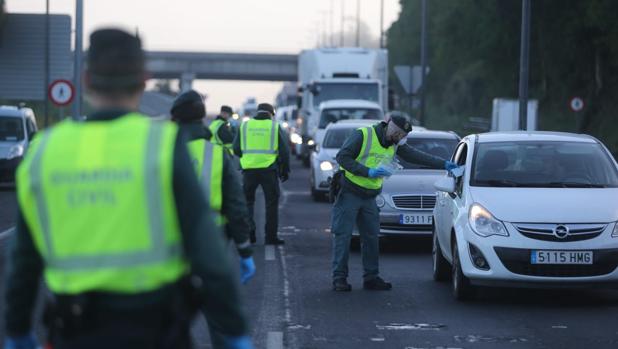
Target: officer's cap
column 265, row 107
column 227, row 109
column 115, row 61
column 189, row 106
column 402, row 121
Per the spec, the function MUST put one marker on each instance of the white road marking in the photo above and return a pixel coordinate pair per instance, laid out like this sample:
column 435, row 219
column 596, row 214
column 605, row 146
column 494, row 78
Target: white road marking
column 286, row 287
column 5, row 234
column 269, row 253
column 274, row 340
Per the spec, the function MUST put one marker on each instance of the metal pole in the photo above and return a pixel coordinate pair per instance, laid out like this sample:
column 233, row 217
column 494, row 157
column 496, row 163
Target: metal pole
column 421, row 117
column 46, row 68
column 524, row 64
column 332, row 29
column 381, row 23
column 77, row 72
column 341, row 40
column 357, row 23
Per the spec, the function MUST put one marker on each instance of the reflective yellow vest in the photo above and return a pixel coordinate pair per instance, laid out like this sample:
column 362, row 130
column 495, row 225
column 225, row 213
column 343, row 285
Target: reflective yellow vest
column 98, row 199
column 259, row 143
column 214, row 127
column 372, row 155
column 207, row 159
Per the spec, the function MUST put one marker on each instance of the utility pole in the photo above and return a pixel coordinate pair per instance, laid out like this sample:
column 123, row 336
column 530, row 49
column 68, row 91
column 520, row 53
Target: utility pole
column 46, row 68
column 524, row 64
column 77, row 73
column 381, row 23
column 332, row 29
column 421, row 117
column 357, row 23
column 341, row 33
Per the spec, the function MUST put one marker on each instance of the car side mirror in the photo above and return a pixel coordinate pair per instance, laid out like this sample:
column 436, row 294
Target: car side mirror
column 445, row 184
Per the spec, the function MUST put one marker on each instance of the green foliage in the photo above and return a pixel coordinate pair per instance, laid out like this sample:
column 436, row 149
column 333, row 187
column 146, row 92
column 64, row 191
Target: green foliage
column 474, row 57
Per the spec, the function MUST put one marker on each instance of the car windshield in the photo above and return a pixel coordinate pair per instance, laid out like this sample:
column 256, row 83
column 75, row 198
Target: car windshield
column 336, row 114
column 543, row 165
column 335, row 138
column 440, row 147
column 330, row 91
column 11, row 129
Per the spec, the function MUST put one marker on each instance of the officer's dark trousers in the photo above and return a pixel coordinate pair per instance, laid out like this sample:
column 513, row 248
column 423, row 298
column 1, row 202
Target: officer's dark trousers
column 108, row 329
column 351, row 209
column 268, row 179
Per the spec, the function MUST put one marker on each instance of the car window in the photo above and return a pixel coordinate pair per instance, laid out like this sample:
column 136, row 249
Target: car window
column 543, row 164
column 337, row 114
column 440, row 147
column 335, row 138
column 11, row 129
column 30, row 127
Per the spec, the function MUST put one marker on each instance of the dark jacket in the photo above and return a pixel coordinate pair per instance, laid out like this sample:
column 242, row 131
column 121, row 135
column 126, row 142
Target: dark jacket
column 203, row 246
column 282, row 165
column 225, row 132
column 346, row 158
column 233, row 206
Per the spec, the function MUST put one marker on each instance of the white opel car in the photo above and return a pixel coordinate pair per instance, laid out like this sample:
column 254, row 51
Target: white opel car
column 530, row 210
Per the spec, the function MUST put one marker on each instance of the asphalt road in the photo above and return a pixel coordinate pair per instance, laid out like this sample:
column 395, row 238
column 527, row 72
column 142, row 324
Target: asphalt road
column 291, row 305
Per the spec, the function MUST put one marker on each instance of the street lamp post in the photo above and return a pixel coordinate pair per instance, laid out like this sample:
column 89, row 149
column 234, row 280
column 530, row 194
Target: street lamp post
column 381, row 23
column 341, row 33
column 421, row 116
column 77, row 72
column 46, row 68
column 524, row 64
column 357, row 23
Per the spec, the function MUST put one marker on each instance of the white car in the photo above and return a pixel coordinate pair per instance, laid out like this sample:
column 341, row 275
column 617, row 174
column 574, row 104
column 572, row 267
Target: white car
column 337, row 110
column 323, row 163
column 535, row 209
column 17, row 128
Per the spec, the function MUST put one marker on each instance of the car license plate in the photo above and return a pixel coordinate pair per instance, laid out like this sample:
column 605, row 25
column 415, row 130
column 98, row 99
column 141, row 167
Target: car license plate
column 415, row 219
column 561, row 257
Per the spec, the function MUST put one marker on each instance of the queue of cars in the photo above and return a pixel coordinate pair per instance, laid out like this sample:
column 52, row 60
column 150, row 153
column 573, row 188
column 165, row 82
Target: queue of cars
column 526, row 209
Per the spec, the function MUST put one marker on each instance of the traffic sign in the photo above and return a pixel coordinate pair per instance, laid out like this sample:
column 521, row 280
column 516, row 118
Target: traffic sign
column 577, row 104
column 410, row 77
column 61, row 92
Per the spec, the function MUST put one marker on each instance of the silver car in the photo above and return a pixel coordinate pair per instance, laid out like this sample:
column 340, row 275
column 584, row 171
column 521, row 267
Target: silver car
column 408, row 196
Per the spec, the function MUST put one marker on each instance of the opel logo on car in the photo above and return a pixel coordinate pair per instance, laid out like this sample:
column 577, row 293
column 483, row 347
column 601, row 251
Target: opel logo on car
column 561, row 231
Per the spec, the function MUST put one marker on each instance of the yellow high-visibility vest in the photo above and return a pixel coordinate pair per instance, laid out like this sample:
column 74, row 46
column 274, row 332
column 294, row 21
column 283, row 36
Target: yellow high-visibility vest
column 259, row 143
column 372, row 155
column 98, row 199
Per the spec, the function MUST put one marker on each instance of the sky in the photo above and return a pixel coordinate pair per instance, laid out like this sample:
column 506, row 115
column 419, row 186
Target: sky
column 259, row 26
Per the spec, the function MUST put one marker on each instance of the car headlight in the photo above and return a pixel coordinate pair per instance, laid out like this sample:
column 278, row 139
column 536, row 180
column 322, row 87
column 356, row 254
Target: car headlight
column 285, row 124
column 484, row 223
column 380, row 201
column 615, row 232
column 296, row 138
column 326, row 166
column 311, row 142
column 15, row 152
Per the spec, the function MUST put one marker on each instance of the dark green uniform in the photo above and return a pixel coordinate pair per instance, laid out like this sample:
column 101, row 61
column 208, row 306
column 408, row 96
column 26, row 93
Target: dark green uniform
column 134, row 313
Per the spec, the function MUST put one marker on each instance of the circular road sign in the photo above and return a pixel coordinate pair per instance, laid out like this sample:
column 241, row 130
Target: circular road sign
column 61, row 92
column 576, row 104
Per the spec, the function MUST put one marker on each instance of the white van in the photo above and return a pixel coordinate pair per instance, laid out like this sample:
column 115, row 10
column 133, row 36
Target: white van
column 17, row 127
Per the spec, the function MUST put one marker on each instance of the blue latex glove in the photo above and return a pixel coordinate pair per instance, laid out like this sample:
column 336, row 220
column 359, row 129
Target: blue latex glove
column 247, row 269
column 379, row 172
column 242, row 342
column 449, row 165
column 24, row 342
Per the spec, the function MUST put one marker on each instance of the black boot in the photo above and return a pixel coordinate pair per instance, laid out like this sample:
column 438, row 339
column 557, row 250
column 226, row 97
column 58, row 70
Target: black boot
column 341, row 285
column 377, row 284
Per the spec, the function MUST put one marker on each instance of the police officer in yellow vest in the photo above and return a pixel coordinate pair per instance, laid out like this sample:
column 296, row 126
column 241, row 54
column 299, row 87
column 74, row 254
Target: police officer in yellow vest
column 214, row 167
column 365, row 158
column 264, row 159
column 220, row 128
column 112, row 216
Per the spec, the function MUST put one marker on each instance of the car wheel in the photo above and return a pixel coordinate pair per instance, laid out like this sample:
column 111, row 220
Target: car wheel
column 441, row 267
column 462, row 289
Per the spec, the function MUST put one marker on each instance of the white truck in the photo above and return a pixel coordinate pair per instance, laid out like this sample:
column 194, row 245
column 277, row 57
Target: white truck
column 505, row 115
column 337, row 73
